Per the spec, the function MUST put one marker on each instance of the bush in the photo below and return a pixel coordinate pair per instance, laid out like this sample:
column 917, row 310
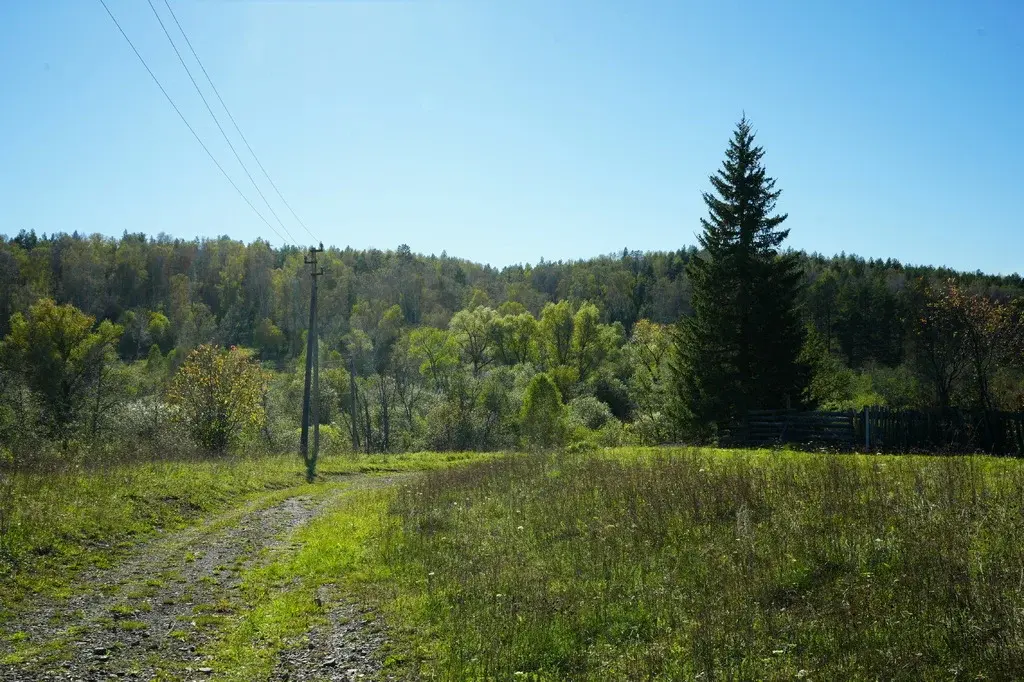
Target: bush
column 581, row 446
column 146, row 423
column 334, row 440
column 651, row 429
column 219, row 395
column 590, row 412
column 611, row 435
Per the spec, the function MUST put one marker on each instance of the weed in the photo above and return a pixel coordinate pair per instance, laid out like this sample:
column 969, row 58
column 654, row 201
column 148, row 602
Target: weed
column 35, row 653
column 141, row 593
column 209, row 621
column 122, row 611
column 131, row 625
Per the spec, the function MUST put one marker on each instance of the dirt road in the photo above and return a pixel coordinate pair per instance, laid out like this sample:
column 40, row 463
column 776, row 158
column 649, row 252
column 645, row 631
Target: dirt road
column 148, row 616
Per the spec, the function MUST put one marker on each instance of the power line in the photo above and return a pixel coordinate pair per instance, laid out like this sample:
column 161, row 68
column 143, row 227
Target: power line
column 187, row 124
column 217, row 121
column 235, row 124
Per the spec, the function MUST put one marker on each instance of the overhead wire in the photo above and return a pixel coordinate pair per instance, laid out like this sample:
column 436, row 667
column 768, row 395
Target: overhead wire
column 235, row 124
column 187, row 124
column 217, row 121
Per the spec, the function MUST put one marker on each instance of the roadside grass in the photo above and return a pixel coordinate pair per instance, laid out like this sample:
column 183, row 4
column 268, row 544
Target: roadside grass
column 59, row 523
column 685, row 564
column 280, row 596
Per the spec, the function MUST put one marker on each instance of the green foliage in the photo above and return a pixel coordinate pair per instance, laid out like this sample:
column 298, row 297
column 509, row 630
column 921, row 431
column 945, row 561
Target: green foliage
column 647, row 355
column 471, row 330
column 218, row 395
column 987, row 334
column 158, row 329
column 542, row 417
column 831, row 385
column 593, row 344
column 897, row 387
column 414, row 324
column 475, row 413
column 589, row 412
column 556, row 330
column 515, row 337
column 60, row 354
column 565, row 378
column 437, row 351
column 269, row 339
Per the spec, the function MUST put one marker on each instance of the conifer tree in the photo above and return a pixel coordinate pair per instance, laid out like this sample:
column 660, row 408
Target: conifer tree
column 740, row 348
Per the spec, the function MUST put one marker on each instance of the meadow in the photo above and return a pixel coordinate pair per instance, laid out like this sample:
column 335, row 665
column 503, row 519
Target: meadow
column 701, row 564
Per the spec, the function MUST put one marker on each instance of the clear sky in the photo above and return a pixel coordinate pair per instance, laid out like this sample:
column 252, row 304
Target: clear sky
column 506, row 131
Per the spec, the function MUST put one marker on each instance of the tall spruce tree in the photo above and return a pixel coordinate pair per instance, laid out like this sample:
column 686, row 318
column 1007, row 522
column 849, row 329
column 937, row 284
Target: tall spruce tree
column 739, row 350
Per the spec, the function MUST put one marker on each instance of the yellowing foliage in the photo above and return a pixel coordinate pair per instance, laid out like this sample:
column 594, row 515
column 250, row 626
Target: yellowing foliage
column 218, row 395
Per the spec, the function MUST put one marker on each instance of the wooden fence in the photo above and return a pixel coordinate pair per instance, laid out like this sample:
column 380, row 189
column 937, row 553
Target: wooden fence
column 954, row 430
column 763, row 427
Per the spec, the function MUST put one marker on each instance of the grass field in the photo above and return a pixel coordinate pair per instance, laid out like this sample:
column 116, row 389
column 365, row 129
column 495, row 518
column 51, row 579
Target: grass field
column 626, row 564
column 683, row 564
column 54, row 524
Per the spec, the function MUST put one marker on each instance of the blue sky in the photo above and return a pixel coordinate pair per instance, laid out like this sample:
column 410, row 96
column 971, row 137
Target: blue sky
column 509, row 131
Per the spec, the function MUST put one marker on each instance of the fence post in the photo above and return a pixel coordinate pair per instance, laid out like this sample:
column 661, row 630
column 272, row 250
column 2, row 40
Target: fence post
column 867, row 429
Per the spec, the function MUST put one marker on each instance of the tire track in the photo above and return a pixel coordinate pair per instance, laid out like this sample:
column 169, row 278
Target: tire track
column 148, row 617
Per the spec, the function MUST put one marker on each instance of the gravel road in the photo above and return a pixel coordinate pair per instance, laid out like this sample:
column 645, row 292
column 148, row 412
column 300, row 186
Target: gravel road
column 148, row 616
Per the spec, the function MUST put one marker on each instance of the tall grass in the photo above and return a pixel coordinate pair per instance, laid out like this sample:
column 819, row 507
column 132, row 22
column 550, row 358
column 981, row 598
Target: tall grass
column 695, row 564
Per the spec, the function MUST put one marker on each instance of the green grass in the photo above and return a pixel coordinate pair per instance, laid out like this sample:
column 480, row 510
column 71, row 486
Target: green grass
column 685, row 564
column 60, row 523
column 279, row 596
column 626, row 564
column 46, row 652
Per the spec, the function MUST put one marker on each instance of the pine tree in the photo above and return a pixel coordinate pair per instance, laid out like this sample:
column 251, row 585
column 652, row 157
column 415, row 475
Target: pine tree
column 740, row 348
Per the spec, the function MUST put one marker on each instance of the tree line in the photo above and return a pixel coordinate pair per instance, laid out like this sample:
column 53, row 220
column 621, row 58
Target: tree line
column 102, row 335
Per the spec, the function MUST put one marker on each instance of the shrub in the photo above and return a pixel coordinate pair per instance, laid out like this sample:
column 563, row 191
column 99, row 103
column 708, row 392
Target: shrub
column 218, row 395
column 590, row 412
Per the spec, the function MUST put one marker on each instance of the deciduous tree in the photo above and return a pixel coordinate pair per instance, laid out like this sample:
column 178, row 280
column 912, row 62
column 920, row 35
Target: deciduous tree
column 218, row 395
column 60, row 353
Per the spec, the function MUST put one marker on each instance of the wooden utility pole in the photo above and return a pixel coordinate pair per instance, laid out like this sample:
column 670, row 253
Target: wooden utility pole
column 355, row 409
column 312, row 375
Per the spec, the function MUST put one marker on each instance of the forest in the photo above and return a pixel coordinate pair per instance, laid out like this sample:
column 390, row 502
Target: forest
column 443, row 349
column 164, row 340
